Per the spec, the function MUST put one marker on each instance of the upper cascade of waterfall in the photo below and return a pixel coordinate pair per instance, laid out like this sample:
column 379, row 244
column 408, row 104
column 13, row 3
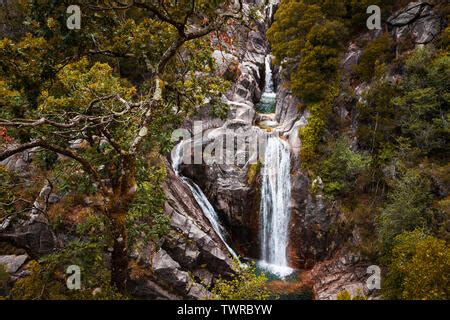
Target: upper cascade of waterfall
column 270, row 8
column 268, row 100
column 269, row 86
column 200, row 197
column 275, row 207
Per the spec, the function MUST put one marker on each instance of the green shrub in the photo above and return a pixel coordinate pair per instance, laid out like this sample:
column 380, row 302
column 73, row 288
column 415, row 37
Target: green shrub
column 340, row 169
column 246, row 284
column 407, row 208
column 418, row 268
column 424, row 100
column 47, row 277
column 312, row 134
column 378, row 117
column 345, row 296
column 253, row 172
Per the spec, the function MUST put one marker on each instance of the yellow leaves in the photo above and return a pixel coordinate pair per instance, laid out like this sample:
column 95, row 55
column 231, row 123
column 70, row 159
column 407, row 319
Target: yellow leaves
column 5, row 92
column 419, row 268
column 51, row 23
column 79, row 83
column 6, row 43
column 7, row 95
column 130, row 92
column 24, row 62
column 32, row 44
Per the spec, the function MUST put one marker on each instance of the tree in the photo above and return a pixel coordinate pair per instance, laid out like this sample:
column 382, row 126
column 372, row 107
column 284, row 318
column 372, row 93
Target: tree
column 319, row 61
column 306, row 39
column 424, row 101
column 340, row 169
column 377, row 52
column 418, row 266
column 407, row 208
column 65, row 86
column 378, row 116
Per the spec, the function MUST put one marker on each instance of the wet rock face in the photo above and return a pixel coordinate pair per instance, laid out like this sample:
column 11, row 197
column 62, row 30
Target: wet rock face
column 288, row 108
column 235, row 198
column 313, row 235
column 190, row 257
column 226, row 185
column 417, row 20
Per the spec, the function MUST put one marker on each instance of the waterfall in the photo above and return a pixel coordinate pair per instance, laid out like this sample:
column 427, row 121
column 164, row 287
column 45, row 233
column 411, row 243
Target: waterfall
column 268, row 99
column 275, row 207
column 200, row 197
column 271, row 4
column 269, row 87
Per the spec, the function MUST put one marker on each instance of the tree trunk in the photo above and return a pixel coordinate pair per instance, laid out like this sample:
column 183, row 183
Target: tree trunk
column 124, row 193
column 119, row 256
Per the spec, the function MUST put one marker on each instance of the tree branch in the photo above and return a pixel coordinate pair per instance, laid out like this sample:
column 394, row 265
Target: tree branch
column 87, row 167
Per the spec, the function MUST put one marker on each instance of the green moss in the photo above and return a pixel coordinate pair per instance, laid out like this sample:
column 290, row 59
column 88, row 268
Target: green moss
column 4, row 276
column 311, row 135
column 253, row 171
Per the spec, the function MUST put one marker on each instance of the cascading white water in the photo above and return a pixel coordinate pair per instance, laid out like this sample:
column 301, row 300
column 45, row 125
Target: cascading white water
column 271, row 6
column 268, row 99
column 269, row 87
column 275, row 207
column 200, row 197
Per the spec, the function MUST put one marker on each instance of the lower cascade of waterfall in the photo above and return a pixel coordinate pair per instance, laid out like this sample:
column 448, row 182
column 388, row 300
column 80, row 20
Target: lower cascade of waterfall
column 200, row 197
column 275, row 208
